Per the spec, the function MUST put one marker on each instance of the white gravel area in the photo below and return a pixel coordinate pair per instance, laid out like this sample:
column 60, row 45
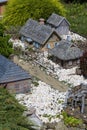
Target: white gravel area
column 68, row 76
column 48, row 102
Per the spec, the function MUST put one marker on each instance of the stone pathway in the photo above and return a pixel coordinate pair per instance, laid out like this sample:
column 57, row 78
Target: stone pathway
column 40, row 74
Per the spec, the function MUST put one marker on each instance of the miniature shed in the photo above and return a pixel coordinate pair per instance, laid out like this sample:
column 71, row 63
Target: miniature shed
column 13, row 77
column 41, row 36
column 66, row 54
column 60, row 24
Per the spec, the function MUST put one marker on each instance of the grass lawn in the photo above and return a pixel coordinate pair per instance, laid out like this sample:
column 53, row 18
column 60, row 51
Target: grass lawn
column 77, row 16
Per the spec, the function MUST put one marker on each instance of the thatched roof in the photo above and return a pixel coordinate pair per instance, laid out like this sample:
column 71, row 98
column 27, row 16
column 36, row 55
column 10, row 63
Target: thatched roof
column 66, row 50
column 36, row 31
column 10, row 72
column 55, row 20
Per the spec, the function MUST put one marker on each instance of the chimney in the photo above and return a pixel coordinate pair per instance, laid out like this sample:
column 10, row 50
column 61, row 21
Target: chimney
column 41, row 21
column 68, row 38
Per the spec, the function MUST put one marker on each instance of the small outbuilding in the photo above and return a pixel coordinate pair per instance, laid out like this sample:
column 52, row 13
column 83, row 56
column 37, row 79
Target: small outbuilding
column 59, row 23
column 38, row 35
column 66, row 54
column 13, row 77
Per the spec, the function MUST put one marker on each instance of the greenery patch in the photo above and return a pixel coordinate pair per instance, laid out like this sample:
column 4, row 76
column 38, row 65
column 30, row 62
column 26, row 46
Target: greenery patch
column 11, row 113
column 71, row 121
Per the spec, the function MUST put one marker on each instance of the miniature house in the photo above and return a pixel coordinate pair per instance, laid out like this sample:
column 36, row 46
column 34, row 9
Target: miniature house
column 66, row 54
column 59, row 23
column 42, row 37
column 13, row 77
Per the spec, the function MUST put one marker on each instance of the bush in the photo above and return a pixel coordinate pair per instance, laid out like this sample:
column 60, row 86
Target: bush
column 18, row 11
column 11, row 113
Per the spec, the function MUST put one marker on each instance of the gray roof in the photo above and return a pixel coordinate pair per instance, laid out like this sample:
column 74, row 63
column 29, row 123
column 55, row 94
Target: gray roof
column 66, row 50
column 37, row 32
column 3, row 1
column 10, row 72
column 56, row 20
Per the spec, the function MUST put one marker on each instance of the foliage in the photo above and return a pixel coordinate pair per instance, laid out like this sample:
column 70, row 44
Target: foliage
column 77, row 16
column 11, row 113
column 1, row 29
column 71, row 121
column 74, row 1
column 18, row 11
column 5, row 46
column 35, row 83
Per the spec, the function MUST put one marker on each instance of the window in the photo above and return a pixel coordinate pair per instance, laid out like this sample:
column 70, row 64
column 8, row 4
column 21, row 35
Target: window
column 78, row 61
column 55, row 44
column 48, row 46
column 70, row 62
column 36, row 44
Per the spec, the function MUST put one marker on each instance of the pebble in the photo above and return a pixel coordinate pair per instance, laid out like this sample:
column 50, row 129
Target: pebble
column 48, row 102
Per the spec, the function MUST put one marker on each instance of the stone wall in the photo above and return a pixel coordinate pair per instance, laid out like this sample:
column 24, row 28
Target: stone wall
column 19, row 86
column 67, row 64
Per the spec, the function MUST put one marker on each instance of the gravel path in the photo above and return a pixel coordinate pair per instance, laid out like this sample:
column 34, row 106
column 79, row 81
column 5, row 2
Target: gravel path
column 37, row 72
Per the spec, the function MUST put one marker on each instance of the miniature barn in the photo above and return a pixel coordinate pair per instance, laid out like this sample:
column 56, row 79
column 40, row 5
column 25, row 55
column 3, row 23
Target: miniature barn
column 38, row 35
column 66, row 54
column 13, row 77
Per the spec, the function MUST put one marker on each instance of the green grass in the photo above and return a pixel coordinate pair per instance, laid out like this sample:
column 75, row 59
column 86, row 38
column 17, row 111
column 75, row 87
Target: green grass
column 77, row 16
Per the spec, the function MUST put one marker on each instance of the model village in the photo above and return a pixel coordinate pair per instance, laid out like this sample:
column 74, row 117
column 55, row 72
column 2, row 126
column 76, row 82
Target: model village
column 49, row 73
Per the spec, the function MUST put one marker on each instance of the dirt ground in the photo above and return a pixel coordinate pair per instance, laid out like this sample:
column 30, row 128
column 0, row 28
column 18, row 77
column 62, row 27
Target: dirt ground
column 40, row 74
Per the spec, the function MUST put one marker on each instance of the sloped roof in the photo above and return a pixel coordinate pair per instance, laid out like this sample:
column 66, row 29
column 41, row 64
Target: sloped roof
column 56, row 20
column 3, row 1
column 37, row 32
column 10, row 72
column 66, row 50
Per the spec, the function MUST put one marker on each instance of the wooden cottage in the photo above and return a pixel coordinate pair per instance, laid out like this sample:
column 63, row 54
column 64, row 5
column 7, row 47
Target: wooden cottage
column 2, row 6
column 13, row 77
column 42, row 37
column 59, row 23
column 66, row 54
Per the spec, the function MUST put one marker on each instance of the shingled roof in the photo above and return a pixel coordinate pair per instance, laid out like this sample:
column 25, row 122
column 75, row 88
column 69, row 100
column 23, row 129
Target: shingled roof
column 56, row 20
column 10, row 72
column 37, row 32
column 66, row 50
